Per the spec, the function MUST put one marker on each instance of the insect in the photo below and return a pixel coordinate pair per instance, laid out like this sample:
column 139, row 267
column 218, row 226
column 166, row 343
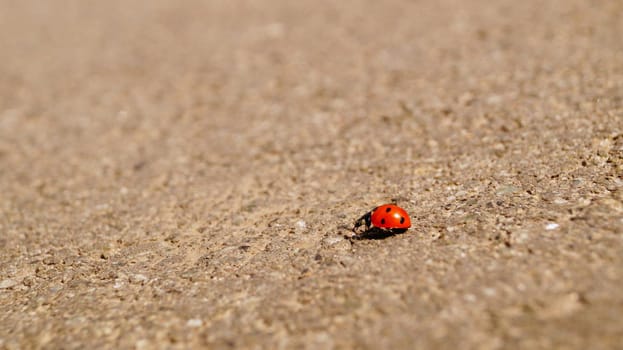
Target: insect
column 387, row 218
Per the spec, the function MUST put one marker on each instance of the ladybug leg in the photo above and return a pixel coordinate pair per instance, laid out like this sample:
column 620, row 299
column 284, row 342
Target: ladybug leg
column 366, row 220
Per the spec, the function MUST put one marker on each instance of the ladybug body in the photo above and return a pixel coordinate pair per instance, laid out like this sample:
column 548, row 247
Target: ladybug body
column 388, row 218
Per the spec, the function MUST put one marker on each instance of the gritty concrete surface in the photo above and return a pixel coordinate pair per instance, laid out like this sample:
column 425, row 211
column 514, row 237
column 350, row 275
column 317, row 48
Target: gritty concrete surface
column 182, row 174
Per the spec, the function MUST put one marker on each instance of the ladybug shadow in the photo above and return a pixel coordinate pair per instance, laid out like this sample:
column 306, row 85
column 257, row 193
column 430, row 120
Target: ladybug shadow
column 375, row 233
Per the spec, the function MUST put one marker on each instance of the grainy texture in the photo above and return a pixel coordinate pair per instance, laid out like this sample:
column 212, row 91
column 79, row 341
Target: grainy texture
column 177, row 174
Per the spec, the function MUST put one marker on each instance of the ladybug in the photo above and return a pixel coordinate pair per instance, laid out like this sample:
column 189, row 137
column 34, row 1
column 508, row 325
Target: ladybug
column 387, row 218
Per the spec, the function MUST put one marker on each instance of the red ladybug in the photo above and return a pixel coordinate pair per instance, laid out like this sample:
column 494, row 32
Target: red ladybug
column 388, row 218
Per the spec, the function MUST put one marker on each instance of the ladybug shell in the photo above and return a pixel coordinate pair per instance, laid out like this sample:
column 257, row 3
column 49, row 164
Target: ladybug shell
column 390, row 216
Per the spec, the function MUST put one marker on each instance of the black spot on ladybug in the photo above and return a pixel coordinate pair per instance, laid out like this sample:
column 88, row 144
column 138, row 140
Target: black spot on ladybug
column 388, row 210
column 383, row 221
column 402, row 220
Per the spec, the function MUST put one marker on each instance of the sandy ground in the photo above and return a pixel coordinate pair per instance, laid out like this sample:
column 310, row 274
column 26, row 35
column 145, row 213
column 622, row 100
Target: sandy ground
column 177, row 174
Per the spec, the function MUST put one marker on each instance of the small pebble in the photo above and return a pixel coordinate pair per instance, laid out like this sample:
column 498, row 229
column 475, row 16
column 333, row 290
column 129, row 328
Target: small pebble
column 55, row 288
column 509, row 189
column 329, row 241
column 50, row 260
column 551, row 226
column 141, row 344
column 301, row 225
column 494, row 99
column 489, row 291
column 194, row 322
column 8, row 283
column 470, row 297
column 138, row 278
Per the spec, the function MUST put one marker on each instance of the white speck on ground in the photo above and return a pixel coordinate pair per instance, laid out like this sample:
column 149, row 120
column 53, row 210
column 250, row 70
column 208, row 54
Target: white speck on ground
column 470, row 297
column 301, row 225
column 332, row 240
column 141, row 344
column 489, row 291
column 194, row 322
column 551, row 226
